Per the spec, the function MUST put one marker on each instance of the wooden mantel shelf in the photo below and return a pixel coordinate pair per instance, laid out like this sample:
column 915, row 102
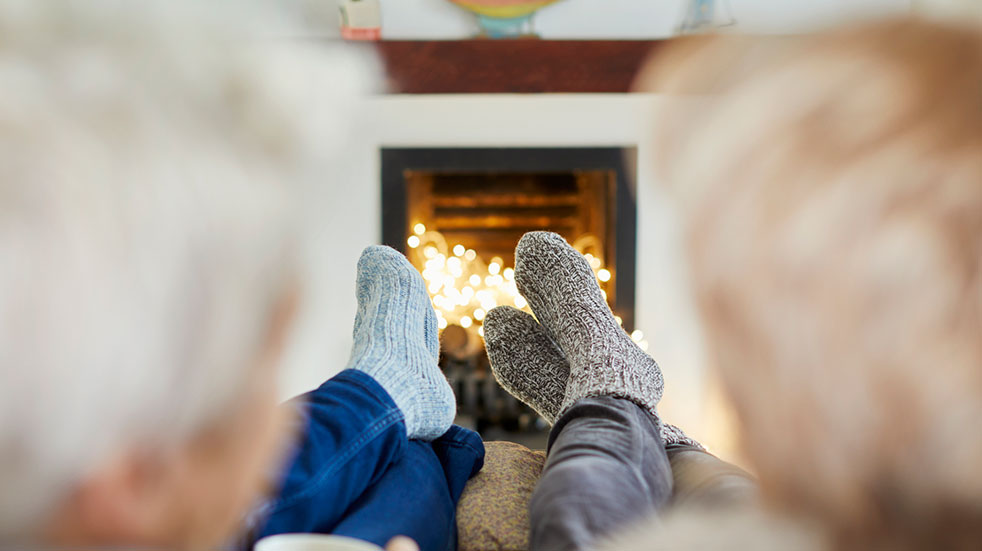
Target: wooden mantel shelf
column 513, row 66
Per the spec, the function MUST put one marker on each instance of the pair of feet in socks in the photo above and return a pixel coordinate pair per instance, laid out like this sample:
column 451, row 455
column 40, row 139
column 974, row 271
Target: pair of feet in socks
column 576, row 349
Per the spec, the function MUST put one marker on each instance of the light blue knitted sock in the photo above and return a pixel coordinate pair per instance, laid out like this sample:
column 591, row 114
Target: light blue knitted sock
column 397, row 344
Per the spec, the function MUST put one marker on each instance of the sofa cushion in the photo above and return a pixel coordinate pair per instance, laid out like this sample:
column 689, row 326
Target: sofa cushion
column 493, row 512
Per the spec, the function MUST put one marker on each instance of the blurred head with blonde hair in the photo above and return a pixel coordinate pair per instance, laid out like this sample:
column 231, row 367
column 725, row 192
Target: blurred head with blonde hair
column 831, row 189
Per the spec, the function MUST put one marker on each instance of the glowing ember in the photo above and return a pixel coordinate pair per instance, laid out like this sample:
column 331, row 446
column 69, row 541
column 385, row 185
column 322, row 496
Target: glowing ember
column 464, row 288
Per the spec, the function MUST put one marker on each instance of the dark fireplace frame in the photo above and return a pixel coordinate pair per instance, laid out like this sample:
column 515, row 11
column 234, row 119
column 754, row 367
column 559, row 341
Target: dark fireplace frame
column 395, row 161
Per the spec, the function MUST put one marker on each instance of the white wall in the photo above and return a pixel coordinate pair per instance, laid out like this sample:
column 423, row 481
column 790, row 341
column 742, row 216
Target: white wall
column 626, row 19
column 781, row 16
column 344, row 218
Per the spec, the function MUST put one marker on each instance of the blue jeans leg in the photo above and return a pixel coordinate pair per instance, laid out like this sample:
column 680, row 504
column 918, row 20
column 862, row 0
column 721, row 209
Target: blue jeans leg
column 418, row 495
column 353, row 432
column 355, row 473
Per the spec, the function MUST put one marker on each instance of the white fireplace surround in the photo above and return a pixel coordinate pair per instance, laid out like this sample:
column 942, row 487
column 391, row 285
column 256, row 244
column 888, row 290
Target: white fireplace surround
column 351, row 211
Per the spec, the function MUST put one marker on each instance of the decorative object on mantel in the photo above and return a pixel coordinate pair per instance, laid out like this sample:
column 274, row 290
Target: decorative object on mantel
column 705, row 16
column 360, row 19
column 504, row 18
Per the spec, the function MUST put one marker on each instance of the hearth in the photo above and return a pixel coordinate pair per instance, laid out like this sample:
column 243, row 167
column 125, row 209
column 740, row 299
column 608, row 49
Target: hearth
column 458, row 214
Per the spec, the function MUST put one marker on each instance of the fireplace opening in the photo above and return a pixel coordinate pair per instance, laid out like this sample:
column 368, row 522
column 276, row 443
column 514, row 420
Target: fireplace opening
column 458, row 214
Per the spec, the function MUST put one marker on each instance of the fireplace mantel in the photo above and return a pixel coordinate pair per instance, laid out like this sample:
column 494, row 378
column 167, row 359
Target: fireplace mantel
column 513, row 66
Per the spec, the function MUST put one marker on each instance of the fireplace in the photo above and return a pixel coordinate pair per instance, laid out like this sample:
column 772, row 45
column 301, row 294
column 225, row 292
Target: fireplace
column 459, row 212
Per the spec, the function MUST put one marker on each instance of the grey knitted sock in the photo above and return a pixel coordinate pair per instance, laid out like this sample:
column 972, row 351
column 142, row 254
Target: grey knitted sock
column 563, row 293
column 525, row 360
column 396, row 341
column 531, row 367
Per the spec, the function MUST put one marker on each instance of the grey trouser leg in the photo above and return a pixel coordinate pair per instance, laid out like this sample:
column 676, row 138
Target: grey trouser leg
column 606, row 468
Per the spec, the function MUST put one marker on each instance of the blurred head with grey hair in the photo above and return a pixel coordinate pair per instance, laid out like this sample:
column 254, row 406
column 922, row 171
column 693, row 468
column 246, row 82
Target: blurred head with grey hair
column 151, row 154
column 831, row 189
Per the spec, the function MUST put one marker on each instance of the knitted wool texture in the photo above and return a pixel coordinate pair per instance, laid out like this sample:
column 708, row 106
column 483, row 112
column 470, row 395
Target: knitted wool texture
column 396, row 341
column 578, row 350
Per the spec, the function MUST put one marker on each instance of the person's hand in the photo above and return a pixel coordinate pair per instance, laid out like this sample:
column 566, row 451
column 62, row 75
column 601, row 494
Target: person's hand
column 401, row 543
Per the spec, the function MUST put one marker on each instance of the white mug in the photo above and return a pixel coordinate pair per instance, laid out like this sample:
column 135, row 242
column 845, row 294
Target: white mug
column 313, row 542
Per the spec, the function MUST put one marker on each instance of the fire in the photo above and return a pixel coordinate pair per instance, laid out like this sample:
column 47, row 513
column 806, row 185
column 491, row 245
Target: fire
column 464, row 288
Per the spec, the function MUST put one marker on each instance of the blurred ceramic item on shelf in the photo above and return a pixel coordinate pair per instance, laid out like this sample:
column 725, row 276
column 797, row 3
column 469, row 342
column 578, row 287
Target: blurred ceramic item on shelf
column 504, row 18
column 702, row 16
column 360, row 19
